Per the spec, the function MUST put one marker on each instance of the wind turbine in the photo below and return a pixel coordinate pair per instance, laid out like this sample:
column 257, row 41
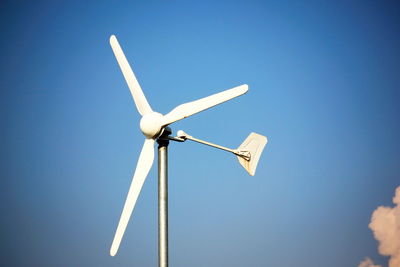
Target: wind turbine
column 154, row 126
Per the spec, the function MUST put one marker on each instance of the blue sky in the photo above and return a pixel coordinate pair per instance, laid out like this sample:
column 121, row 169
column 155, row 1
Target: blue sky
column 324, row 88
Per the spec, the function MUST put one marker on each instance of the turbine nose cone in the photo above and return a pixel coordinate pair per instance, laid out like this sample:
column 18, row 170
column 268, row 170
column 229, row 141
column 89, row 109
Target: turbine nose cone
column 150, row 124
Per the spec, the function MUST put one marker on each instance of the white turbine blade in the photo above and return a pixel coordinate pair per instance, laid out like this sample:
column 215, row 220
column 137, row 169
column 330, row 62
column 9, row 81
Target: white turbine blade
column 144, row 164
column 190, row 108
column 140, row 100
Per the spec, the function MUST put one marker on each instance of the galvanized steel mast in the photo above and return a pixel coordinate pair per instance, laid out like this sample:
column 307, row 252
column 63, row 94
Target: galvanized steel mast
column 163, row 199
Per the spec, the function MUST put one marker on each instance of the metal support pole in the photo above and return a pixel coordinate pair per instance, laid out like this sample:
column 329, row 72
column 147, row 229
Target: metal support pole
column 162, row 202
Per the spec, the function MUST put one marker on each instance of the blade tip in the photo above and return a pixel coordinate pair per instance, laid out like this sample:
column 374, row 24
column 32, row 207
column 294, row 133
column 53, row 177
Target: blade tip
column 113, row 251
column 113, row 39
column 243, row 88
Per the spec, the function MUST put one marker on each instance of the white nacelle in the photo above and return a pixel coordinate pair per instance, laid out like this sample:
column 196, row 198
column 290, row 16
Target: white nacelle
column 151, row 124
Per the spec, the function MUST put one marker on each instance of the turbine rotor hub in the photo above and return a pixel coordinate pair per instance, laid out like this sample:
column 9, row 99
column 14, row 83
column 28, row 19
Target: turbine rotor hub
column 151, row 124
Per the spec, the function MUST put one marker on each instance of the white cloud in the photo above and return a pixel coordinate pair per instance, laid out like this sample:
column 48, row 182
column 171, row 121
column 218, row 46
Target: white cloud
column 367, row 263
column 385, row 224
